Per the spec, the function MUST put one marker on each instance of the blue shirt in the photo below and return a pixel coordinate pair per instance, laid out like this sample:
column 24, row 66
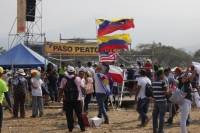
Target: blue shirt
column 22, row 80
column 159, row 88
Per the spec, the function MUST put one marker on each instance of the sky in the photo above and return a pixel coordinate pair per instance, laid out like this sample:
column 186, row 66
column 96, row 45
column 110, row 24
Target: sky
column 171, row 22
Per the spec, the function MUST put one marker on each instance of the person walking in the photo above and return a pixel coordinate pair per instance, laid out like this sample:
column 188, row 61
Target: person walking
column 3, row 92
column 37, row 102
column 20, row 86
column 185, row 108
column 73, row 96
column 160, row 91
column 100, row 93
column 143, row 101
column 174, row 107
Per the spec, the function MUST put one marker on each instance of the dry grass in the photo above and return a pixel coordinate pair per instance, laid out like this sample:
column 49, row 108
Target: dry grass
column 125, row 122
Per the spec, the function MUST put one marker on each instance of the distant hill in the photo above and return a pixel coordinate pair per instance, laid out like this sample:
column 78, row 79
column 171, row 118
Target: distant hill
column 192, row 48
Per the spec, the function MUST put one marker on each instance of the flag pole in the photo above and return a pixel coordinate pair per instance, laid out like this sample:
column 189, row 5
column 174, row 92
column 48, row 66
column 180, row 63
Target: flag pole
column 111, row 99
column 97, row 37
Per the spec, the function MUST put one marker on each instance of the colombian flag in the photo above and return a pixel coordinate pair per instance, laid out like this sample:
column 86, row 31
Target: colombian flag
column 109, row 26
column 119, row 41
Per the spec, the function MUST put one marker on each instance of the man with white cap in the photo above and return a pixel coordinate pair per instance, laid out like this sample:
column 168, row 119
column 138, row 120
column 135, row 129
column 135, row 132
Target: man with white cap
column 20, row 86
column 73, row 96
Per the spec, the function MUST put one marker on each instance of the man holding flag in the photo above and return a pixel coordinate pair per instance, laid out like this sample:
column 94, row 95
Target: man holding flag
column 103, row 86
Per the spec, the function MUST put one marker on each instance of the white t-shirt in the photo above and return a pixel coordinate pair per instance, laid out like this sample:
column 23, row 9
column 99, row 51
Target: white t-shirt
column 142, row 81
column 36, row 83
column 77, row 69
column 171, row 76
column 98, row 86
column 83, row 82
column 91, row 70
column 137, row 70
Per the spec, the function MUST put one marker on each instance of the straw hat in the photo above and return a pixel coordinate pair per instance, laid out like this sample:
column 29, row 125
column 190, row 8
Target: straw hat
column 100, row 69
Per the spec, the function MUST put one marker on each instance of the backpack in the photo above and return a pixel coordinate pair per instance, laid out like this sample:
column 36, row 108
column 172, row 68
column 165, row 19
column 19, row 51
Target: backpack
column 19, row 88
column 71, row 91
column 148, row 90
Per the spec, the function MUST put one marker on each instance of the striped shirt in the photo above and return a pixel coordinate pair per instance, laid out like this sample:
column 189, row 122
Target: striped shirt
column 159, row 88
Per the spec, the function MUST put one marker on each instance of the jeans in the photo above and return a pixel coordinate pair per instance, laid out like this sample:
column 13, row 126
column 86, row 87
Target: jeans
column 76, row 106
column 87, row 101
column 185, row 111
column 19, row 98
column 171, row 80
column 37, row 103
column 44, row 90
column 142, row 108
column 53, row 88
column 160, row 108
column 1, row 116
column 101, row 97
column 149, row 75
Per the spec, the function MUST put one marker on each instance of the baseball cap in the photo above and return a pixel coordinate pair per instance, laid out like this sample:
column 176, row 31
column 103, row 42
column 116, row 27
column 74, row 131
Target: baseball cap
column 1, row 70
column 70, row 69
column 39, row 68
column 148, row 60
column 178, row 70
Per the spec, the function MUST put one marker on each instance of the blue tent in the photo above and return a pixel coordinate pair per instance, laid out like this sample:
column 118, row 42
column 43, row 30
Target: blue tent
column 22, row 57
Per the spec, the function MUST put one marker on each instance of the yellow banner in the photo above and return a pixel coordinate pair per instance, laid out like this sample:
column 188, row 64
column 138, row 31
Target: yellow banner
column 71, row 48
column 21, row 16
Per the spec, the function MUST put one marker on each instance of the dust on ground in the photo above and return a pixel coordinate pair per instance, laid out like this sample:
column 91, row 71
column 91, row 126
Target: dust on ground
column 125, row 122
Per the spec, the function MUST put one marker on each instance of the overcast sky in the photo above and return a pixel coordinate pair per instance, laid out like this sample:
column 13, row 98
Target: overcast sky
column 171, row 22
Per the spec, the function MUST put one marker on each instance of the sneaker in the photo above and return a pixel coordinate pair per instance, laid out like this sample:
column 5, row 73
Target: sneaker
column 106, row 121
column 140, row 125
column 168, row 123
column 33, row 116
column 76, row 126
column 146, row 121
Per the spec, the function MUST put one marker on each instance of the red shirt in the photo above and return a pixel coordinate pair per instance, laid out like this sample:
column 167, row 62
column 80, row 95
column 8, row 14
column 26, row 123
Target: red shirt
column 148, row 67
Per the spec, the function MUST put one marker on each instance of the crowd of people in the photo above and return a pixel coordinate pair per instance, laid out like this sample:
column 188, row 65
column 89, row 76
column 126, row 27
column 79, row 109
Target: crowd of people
column 162, row 83
column 76, row 86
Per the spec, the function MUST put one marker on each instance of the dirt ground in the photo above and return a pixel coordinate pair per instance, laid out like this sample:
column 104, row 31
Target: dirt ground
column 125, row 122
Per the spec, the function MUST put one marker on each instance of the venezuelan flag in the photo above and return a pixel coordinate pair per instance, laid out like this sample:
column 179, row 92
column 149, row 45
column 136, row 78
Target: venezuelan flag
column 109, row 26
column 119, row 41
